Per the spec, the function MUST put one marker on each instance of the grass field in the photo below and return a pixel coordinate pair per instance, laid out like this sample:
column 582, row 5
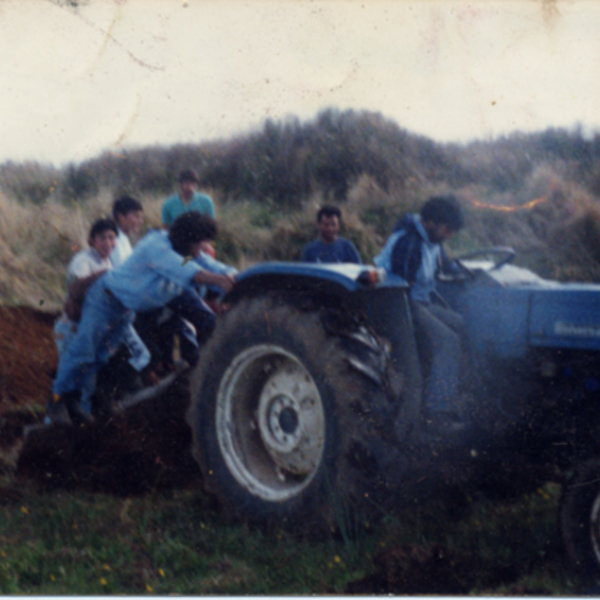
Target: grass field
column 177, row 542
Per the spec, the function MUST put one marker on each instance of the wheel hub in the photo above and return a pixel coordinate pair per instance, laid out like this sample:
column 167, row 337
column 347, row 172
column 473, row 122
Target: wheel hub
column 282, row 423
column 286, row 418
column 270, row 422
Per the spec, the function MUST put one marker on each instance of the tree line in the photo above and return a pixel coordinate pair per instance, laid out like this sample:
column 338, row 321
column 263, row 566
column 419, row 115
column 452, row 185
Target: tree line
column 286, row 161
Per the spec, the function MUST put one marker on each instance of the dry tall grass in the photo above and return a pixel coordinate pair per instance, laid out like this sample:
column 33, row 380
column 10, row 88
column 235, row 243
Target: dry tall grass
column 552, row 223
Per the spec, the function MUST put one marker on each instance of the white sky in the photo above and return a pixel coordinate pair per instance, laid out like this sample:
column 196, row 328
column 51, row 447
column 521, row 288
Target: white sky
column 111, row 73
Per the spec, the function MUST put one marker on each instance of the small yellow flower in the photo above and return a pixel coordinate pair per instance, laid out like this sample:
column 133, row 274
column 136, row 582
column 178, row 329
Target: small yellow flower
column 161, row 572
column 103, row 581
column 337, row 559
column 149, row 588
column 542, row 492
column 106, row 567
column 52, row 578
column 24, row 510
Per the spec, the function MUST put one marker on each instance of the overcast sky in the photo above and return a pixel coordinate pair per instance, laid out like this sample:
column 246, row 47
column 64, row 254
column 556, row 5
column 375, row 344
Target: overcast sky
column 108, row 74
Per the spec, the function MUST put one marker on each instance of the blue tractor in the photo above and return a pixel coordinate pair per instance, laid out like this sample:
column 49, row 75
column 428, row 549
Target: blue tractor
column 309, row 395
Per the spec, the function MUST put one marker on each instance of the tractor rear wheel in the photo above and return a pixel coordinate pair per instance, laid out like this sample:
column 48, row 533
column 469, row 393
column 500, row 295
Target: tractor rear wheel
column 281, row 421
column 580, row 518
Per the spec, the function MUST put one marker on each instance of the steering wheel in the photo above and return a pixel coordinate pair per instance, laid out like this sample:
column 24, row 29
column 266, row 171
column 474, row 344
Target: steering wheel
column 501, row 255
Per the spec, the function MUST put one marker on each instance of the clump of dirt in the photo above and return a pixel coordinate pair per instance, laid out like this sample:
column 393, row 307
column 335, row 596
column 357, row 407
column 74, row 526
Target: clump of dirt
column 28, row 356
column 28, row 361
column 430, row 569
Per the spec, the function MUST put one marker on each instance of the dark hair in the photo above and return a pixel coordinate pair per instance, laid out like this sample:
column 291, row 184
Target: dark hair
column 190, row 228
column 443, row 209
column 189, row 175
column 329, row 211
column 102, row 225
column 124, row 205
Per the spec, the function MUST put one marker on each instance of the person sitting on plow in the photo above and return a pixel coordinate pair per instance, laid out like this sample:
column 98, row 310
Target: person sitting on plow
column 161, row 267
column 85, row 267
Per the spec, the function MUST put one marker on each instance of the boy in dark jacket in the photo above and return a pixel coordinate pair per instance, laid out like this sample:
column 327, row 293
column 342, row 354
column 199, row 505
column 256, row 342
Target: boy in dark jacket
column 414, row 252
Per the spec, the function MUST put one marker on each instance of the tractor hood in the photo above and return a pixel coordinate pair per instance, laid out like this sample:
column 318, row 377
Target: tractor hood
column 561, row 315
column 510, row 310
column 567, row 316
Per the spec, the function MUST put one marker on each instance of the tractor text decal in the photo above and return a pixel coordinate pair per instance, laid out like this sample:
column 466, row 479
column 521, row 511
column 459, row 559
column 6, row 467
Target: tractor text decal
column 561, row 328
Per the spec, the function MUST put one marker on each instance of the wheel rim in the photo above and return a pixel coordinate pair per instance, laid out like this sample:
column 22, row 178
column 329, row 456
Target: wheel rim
column 595, row 528
column 270, row 423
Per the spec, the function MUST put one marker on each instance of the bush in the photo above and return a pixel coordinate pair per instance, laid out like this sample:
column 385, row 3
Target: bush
column 28, row 182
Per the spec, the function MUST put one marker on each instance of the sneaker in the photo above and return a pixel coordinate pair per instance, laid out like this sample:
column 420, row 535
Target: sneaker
column 56, row 410
column 72, row 402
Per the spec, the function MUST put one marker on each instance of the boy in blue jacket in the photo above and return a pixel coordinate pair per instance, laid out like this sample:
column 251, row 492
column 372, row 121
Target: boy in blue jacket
column 414, row 252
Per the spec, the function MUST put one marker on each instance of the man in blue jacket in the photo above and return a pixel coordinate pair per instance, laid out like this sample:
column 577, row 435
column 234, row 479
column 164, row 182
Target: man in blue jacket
column 414, row 252
column 161, row 266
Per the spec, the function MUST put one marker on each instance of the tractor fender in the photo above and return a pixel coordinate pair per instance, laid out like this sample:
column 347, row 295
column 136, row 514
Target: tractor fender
column 383, row 306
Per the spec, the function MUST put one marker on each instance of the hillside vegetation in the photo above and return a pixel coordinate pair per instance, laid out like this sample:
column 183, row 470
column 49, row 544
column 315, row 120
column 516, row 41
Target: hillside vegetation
column 536, row 192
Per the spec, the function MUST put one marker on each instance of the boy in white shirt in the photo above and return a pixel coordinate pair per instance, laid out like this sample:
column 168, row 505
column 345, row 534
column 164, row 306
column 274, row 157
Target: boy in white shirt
column 84, row 267
column 129, row 217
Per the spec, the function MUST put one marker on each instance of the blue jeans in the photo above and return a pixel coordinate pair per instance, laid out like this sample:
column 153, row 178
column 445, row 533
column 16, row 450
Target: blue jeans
column 439, row 333
column 102, row 328
column 65, row 332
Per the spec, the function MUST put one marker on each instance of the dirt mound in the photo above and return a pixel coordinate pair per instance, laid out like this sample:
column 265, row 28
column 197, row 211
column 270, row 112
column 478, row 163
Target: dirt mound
column 433, row 569
column 28, row 357
column 148, row 447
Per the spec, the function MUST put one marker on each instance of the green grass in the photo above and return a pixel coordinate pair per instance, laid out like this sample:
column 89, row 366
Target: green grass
column 176, row 543
column 66, row 543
